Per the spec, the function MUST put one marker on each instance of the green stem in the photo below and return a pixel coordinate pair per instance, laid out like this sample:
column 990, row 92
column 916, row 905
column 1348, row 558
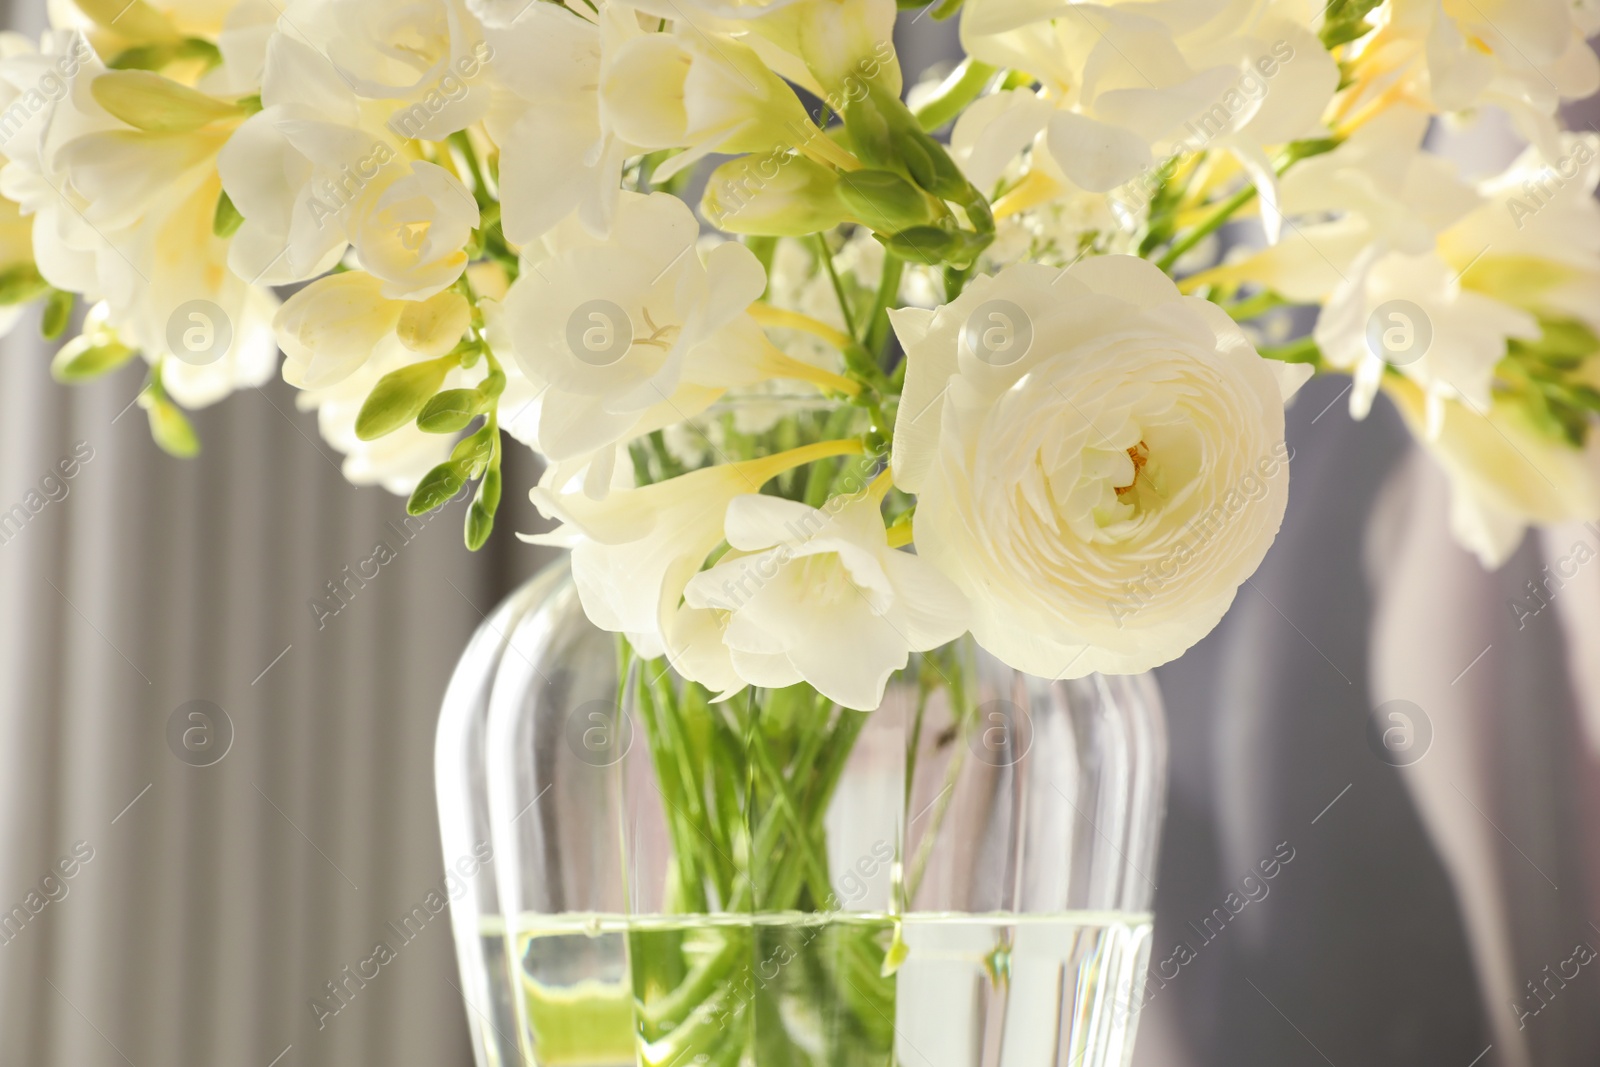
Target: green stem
column 1255, row 306
column 826, row 256
column 961, row 88
column 480, row 188
column 691, row 887
column 1212, row 223
column 839, row 745
column 878, row 332
column 1294, row 153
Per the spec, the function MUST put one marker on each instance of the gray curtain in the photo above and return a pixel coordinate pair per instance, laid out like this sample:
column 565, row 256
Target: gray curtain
column 218, row 900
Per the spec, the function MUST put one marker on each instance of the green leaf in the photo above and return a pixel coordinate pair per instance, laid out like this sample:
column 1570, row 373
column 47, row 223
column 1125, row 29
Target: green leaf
column 400, row 396
column 227, row 220
column 21, row 283
column 437, row 488
column 80, row 360
column 451, row 411
column 171, row 429
column 57, row 314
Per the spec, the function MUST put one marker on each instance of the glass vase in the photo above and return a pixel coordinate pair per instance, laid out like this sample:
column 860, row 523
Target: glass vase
column 960, row 878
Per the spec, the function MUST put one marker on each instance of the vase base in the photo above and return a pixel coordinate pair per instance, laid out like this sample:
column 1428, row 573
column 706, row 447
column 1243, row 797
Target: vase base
column 835, row 989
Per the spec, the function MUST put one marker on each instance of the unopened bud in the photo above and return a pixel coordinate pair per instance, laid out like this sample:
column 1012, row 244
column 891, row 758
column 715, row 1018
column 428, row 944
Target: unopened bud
column 779, row 194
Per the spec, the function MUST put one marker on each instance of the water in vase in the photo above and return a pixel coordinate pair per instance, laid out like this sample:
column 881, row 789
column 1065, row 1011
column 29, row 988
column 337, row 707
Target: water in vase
column 832, row 990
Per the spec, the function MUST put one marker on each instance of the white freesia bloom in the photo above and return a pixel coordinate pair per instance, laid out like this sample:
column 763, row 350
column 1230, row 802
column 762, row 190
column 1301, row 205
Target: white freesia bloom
column 816, row 596
column 557, row 153
column 635, row 551
column 424, row 58
column 1376, row 193
column 687, row 89
column 1523, row 56
column 337, row 324
column 1099, row 461
column 124, row 214
column 829, row 47
column 1535, row 240
column 1451, row 350
column 1504, row 473
column 296, row 169
column 1124, row 88
column 411, row 229
column 629, row 334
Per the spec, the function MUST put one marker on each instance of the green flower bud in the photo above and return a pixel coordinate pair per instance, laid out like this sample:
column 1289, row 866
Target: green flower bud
column 885, row 201
column 778, row 194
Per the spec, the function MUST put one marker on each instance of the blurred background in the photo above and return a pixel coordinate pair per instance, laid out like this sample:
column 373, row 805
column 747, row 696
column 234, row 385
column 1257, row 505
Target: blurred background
column 1426, row 916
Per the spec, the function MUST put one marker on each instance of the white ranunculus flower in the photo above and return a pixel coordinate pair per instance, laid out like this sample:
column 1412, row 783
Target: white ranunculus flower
column 635, row 551
column 815, row 596
column 1505, row 474
column 629, row 334
column 1099, row 461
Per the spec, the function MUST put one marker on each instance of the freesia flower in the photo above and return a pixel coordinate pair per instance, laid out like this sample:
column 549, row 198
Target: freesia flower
column 815, row 596
column 1099, row 461
column 831, row 48
column 635, row 551
column 1444, row 336
column 120, row 172
column 686, row 89
column 557, row 153
column 1504, row 474
column 423, row 58
column 1122, row 89
column 337, row 324
column 1522, row 56
column 410, row 230
column 1534, row 242
column 1377, row 193
column 635, row 332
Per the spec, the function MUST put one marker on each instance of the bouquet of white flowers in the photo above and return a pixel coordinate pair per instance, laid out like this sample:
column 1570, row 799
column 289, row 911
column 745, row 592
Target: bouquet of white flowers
column 772, row 317
column 483, row 203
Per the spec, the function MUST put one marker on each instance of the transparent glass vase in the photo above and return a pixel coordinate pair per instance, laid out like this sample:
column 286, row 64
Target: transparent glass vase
column 959, row 878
